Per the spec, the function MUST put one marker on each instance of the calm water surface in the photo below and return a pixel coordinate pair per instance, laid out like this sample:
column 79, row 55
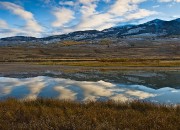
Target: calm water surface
column 161, row 87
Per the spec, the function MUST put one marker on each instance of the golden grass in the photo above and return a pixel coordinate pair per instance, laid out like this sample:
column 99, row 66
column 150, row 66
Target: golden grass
column 49, row 114
column 118, row 63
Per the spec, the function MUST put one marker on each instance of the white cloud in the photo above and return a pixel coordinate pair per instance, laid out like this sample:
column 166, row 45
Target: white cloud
column 3, row 24
column 32, row 27
column 69, row 3
column 120, row 11
column 155, row 6
column 63, row 16
column 88, row 16
column 27, row 16
column 121, row 7
column 166, row 0
column 6, row 31
column 141, row 13
column 87, row 2
column 175, row 16
column 169, row 0
column 96, row 21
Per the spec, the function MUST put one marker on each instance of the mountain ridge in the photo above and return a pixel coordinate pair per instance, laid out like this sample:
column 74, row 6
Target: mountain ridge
column 155, row 28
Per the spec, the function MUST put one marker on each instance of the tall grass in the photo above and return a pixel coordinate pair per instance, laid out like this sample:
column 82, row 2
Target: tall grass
column 47, row 114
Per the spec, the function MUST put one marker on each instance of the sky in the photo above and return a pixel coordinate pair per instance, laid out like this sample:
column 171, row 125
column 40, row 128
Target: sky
column 41, row 18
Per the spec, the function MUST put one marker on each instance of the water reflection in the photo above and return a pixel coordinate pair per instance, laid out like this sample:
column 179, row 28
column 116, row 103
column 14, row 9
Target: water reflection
column 48, row 87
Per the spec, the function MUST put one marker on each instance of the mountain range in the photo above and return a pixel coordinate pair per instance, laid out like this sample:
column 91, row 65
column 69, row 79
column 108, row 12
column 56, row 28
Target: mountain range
column 152, row 29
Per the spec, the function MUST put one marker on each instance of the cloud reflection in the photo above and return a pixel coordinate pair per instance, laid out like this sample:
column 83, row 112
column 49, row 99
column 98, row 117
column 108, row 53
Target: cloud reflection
column 101, row 90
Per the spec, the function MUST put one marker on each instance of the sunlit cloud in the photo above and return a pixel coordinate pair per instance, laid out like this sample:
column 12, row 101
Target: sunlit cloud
column 63, row 16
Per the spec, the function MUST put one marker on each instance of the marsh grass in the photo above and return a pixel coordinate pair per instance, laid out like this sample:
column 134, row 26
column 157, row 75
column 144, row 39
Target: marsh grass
column 53, row 114
column 119, row 63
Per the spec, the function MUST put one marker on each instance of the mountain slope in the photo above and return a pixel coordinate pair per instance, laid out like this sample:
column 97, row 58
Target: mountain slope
column 154, row 28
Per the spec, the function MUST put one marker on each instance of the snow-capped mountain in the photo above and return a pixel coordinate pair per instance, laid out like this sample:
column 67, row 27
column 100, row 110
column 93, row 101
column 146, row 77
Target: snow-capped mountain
column 155, row 28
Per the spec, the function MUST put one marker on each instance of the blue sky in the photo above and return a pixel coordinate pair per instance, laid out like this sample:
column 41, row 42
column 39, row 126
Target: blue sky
column 40, row 18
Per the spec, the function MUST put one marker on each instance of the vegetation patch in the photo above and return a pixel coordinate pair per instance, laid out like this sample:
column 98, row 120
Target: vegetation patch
column 68, row 115
column 118, row 63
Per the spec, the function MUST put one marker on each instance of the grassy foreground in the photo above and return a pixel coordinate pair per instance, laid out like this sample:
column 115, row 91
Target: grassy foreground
column 52, row 114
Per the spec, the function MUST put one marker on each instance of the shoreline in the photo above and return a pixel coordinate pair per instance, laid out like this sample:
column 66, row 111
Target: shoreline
column 29, row 67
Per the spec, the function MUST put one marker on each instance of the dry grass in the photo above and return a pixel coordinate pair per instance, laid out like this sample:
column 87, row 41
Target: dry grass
column 52, row 114
column 82, row 50
column 118, row 63
column 70, row 43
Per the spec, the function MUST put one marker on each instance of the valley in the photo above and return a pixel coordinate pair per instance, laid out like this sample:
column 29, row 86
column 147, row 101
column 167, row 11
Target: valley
column 138, row 53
